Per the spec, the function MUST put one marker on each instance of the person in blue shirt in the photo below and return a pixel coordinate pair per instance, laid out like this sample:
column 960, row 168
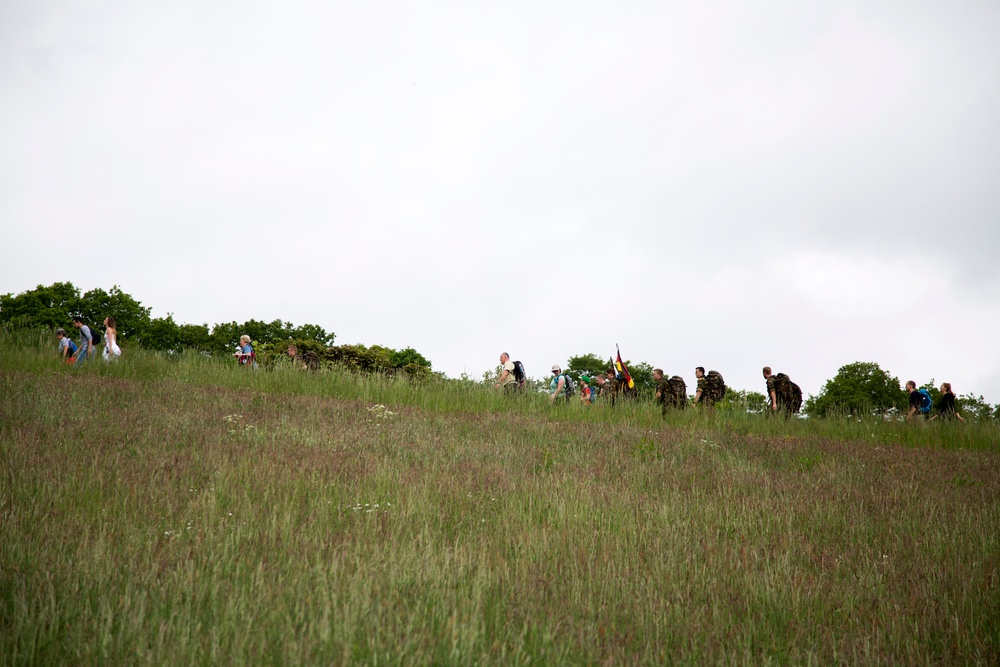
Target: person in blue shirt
column 245, row 356
column 557, row 384
column 86, row 342
column 67, row 348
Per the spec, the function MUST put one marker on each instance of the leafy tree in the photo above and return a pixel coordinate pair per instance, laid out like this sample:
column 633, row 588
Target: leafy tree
column 401, row 358
column 742, row 401
column 858, row 388
column 226, row 336
column 162, row 333
column 50, row 307
column 974, row 406
column 586, row 364
column 314, row 332
column 195, row 336
column 642, row 375
column 379, row 357
column 56, row 305
column 130, row 316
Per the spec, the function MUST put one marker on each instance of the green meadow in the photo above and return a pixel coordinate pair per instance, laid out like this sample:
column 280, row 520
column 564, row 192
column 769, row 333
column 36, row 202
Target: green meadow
column 180, row 510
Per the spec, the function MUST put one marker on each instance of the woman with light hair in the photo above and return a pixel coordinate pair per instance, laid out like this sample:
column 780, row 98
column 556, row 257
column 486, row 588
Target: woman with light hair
column 245, row 355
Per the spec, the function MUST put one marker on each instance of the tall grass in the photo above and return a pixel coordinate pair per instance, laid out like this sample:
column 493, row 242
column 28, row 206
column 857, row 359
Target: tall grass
column 178, row 511
column 34, row 352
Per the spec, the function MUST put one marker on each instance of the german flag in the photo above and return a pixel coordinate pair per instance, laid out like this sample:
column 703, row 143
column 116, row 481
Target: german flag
column 620, row 365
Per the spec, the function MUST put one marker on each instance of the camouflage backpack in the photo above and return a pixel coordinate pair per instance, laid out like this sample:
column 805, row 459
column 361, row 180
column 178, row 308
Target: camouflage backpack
column 716, row 385
column 788, row 393
column 678, row 391
column 311, row 360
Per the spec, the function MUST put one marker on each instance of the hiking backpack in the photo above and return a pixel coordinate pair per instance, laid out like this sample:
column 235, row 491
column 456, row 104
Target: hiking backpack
column 925, row 401
column 788, row 393
column 796, row 396
column 519, row 374
column 716, row 385
column 678, row 391
column 570, row 385
column 95, row 337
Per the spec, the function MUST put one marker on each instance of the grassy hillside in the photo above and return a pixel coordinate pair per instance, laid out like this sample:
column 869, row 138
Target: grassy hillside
column 184, row 511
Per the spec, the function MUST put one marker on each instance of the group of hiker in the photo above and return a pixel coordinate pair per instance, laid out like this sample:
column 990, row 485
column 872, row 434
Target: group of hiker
column 616, row 384
column 77, row 355
column 783, row 396
column 921, row 404
column 247, row 358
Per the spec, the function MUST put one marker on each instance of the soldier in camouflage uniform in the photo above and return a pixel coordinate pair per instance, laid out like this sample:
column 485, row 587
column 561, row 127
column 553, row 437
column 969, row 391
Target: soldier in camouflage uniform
column 664, row 396
column 772, row 392
column 703, row 396
column 784, row 396
column 309, row 360
column 294, row 357
column 612, row 387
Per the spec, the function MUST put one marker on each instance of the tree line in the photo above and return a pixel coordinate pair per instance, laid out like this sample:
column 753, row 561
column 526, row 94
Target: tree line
column 860, row 388
column 54, row 306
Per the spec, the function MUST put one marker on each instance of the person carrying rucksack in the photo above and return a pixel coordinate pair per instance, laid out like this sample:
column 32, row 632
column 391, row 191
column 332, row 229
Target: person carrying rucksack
column 511, row 374
column 702, row 395
column 599, row 383
column 86, row 342
column 782, row 393
column 772, row 392
column 920, row 401
column 560, row 385
column 246, row 356
column 664, row 394
column 711, row 387
column 67, row 348
column 611, row 388
column 678, row 392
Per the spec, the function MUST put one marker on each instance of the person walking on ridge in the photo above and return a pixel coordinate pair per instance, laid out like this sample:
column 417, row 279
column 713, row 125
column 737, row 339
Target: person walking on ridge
column 86, row 342
column 703, row 396
column 946, row 407
column 507, row 380
column 558, row 384
column 772, row 392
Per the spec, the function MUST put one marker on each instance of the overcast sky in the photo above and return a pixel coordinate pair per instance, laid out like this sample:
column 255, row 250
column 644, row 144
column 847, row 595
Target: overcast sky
column 725, row 184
